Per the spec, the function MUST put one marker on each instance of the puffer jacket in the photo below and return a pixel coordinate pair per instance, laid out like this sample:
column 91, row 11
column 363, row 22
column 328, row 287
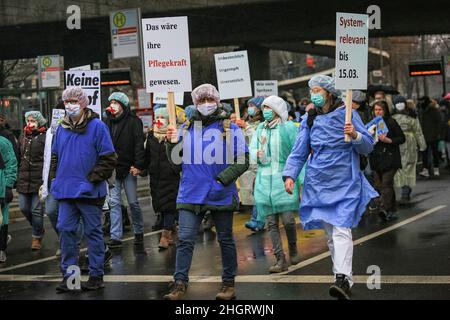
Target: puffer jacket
column 31, row 161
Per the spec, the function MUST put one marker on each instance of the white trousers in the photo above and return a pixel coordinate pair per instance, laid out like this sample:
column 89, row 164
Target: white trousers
column 340, row 244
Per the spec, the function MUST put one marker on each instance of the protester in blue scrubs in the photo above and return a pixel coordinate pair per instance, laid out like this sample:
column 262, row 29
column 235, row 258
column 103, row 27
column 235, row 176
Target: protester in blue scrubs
column 335, row 191
column 83, row 157
column 214, row 155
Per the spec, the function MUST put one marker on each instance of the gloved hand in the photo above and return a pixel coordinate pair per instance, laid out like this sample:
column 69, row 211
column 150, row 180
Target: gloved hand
column 41, row 193
column 8, row 195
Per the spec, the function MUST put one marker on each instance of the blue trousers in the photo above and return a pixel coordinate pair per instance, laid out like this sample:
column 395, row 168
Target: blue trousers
column 51, row 210
column 69, row 215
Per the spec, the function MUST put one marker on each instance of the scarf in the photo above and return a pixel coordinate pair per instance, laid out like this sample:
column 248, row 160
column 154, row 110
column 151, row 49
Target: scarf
column 160, row 133
column 29, row 131
column 272, row 124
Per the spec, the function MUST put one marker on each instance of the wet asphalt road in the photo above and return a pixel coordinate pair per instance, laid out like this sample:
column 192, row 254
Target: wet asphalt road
column 412, row 254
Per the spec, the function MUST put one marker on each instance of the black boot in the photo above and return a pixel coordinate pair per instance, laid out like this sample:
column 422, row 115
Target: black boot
column 126, row 224
column 3, row 237
column 138, row 239
column 62, row 286
column 94, row 283
column 107, row 223
column 158, row 223
column 341, row 288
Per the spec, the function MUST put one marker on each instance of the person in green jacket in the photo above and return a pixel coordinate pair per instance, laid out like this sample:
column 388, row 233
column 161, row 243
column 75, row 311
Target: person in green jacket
column 8, row 176
column 269, row 148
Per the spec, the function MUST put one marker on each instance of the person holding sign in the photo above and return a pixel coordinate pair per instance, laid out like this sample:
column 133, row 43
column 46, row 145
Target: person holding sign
column 385, row 160
column 269, row 148
column 164, row 176
column 214, row 155
column 335, row 192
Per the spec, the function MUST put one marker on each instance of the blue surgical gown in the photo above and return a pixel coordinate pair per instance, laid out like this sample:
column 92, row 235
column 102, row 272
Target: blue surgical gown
column 335, row 190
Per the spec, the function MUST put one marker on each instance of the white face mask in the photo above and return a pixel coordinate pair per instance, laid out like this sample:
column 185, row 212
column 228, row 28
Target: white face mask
column 207, row 108
column 114, row 108
column 400, row 106
column 73, row 109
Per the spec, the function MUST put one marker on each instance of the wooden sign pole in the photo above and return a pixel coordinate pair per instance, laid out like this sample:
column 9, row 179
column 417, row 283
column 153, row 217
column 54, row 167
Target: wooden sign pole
column 172, row 113
column 348, row 111
column 236, row 109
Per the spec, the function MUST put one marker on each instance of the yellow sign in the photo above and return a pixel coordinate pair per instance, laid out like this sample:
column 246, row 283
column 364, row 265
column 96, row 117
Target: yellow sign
column 119, row 19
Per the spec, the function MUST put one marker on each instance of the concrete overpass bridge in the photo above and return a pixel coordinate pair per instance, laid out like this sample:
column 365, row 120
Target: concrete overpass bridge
column 32, row 28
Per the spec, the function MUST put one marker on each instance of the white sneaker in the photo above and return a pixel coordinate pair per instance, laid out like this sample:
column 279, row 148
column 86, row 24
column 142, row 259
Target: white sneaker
column 8, row 239
column 2, row 256
column 436, row 172
column 424, row 173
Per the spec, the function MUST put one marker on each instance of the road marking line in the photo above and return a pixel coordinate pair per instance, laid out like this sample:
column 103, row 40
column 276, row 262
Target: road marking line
column 291, row 268
column 365, row 238
column 315, row 279
column 26, row 264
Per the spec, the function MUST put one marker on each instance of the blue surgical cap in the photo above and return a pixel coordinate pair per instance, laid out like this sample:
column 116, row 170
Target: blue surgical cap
column 324, row 82
column 256, row 101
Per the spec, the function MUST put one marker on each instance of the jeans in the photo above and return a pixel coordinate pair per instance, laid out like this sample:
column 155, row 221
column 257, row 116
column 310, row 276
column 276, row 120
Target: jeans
column 31, row 207
column 51, row 210
column 288, row 219
column 168, row 219
column 189, row 223
column 115, row 202
column 68, row 226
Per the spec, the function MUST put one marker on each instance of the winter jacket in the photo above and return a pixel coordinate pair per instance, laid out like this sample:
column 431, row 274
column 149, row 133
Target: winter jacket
column 408, row 150
column 31, row 161
column 8, row 166
column 430, row 119
column 386, row 156
column 164, row 176
column 209, row 184
column 5, row 132
column 128, row 139
column 83, row 158
column 365, row 113
column 269, row 192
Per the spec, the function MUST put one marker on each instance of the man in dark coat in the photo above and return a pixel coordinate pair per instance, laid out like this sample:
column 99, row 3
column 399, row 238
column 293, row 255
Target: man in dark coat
column 430, row 118
column 127, row 134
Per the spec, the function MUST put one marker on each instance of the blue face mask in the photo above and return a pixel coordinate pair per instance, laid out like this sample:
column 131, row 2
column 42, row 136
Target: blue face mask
column 252, row 111
column 268, row 114
column 318, row 99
